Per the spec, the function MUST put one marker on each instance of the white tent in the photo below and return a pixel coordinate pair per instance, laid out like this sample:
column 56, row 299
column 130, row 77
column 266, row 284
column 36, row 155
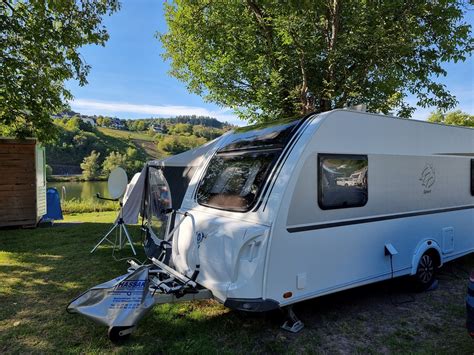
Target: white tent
column 177, row 170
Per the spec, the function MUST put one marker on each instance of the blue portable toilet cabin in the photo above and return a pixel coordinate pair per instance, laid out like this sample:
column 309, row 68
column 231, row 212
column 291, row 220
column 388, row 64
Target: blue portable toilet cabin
column 53, row 206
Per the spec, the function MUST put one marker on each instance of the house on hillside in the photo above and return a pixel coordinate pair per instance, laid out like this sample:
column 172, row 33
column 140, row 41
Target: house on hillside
column 159, row 128
column 70, row 114
column 118, row 124
column 88, row 119
column 66, row 114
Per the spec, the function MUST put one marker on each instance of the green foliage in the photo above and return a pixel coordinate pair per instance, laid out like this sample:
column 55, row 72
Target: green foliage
column 75, row 124
column 49, row 171
column 130, row 161
column 457, row 118
column 137, row 125
column 39, row 52
column 72, row 124
column 90, row 166
column 74, row 144
column 133, row 163
column 84, row 206
column 194, row 120
column 206, row 132
column 270, row 59
column 113, row 161
column 181, row 129
column 104, row 121
column 129, row 149
column 178, row 144
column 189, row 119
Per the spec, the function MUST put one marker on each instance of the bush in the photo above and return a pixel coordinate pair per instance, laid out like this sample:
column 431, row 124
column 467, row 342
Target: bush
column 84, row 206
column 90, row 166
column 179, row 144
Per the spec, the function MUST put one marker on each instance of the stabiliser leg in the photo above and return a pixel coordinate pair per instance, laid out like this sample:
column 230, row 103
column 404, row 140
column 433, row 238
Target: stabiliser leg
column 122, row 225
column 292, row 323
column 105, row 238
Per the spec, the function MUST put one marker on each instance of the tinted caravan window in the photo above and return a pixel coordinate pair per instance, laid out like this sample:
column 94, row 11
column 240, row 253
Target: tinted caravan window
column 342, row 181
column 238, row 172
column 233, row 181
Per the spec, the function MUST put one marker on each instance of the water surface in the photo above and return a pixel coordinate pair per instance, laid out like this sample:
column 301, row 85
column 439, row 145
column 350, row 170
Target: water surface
column 80, row 190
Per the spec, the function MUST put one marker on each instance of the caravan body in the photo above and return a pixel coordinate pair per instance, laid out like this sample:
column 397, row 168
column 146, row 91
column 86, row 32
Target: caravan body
column 302, row 209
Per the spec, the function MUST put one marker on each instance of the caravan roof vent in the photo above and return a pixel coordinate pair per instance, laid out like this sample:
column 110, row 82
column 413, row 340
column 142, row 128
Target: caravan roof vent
column 360, row 107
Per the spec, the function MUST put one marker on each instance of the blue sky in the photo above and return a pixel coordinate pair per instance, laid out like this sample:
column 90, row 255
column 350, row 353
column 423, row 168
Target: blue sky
column 129, row 78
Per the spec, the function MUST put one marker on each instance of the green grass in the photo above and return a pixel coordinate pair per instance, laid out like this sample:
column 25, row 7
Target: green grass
column 117, row 133
column 92, row 217
column 41, row 270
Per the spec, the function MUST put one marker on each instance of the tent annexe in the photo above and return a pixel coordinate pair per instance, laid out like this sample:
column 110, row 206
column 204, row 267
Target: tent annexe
column 177, row 170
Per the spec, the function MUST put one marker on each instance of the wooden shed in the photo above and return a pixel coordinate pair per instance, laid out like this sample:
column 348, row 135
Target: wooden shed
column 22, row 182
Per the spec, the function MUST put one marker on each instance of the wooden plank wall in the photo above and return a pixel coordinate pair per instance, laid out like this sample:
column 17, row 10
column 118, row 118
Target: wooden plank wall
column 17, row 183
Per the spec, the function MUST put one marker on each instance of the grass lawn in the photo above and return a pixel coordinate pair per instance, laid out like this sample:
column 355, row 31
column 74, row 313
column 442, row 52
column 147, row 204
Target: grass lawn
column 117, row 133
column 141, row 140
column 43, row 269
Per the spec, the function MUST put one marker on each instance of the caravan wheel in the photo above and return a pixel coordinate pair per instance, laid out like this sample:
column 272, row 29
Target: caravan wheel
column 425, row 273
column 115, row 336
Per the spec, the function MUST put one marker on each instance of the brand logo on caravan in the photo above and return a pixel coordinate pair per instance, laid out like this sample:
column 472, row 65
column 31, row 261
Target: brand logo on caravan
column 199, row 238
column 428, row 178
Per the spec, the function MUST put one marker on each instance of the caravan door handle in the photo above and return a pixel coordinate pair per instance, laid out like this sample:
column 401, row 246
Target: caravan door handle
column 252, row 248
column 254, row 245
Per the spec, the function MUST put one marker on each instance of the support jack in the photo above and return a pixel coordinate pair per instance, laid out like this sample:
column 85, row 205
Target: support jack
column 292, row 324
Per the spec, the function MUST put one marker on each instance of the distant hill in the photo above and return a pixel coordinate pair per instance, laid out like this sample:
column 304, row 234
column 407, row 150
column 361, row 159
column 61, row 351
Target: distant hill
column 193, row 120
column 142, row 139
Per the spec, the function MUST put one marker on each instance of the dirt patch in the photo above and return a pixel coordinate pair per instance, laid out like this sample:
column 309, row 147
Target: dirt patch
column 386, row 317
column 149, row 147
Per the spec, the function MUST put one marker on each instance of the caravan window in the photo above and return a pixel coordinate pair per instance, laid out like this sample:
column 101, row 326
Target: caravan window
column 233, row 181
column 342, row 181
column 238, row 172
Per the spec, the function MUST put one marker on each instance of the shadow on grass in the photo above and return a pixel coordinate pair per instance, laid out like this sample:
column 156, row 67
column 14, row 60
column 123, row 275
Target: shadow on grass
column 43, row 269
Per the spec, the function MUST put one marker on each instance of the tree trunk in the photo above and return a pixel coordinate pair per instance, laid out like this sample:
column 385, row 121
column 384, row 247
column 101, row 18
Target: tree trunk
column 262, row 20
column 306, row 97
column 333, row 15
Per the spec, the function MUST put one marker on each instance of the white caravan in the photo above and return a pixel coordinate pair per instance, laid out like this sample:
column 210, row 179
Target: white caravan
column 276, row 227
column 279, row 214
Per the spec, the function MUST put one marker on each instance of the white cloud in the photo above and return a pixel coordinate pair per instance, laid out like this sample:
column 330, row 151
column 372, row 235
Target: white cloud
column 123, row 109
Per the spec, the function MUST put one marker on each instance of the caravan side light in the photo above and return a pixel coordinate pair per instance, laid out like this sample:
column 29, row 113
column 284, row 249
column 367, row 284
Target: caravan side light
column 287, row 294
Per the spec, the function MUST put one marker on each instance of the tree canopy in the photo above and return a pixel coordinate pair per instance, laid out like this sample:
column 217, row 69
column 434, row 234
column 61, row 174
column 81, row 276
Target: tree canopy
column 268, row 58
column 90, row 166
column 39, row 47
column 457, row 118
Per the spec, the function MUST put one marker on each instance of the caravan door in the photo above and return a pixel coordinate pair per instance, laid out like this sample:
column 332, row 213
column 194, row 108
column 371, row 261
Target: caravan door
column 157, row 211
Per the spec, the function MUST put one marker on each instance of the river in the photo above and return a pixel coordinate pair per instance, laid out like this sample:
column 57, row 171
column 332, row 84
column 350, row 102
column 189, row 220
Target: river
column 80, row 190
